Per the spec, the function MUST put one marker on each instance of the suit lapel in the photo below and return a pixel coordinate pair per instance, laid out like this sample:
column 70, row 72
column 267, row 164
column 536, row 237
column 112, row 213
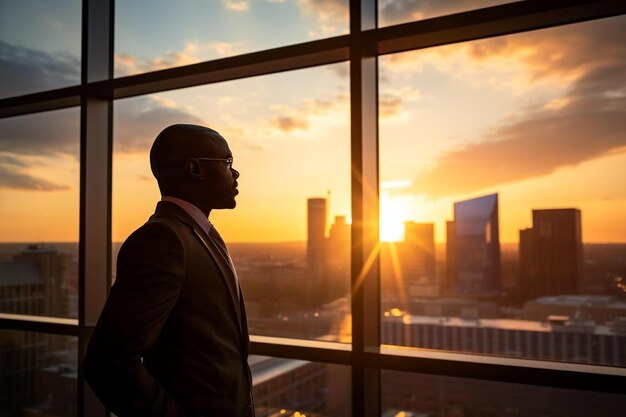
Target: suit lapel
column 224, row 268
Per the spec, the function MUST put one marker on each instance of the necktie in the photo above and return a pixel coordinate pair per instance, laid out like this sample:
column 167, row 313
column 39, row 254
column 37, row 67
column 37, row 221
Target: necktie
column 221, row 246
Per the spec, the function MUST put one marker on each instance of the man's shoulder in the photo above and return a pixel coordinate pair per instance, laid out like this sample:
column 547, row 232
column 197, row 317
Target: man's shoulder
column 157, row 230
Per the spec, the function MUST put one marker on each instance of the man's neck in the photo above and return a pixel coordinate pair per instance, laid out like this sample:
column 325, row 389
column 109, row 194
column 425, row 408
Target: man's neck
column 194, row 211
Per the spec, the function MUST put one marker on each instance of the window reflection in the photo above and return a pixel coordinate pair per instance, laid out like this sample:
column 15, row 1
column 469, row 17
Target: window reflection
column 38, row 374
column 295, row 388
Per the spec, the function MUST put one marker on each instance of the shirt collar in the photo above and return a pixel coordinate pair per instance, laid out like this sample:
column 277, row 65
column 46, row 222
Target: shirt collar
column 196, row 214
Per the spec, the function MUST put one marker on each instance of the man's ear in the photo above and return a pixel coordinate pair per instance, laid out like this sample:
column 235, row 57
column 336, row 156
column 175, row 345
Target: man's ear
column 192, row 168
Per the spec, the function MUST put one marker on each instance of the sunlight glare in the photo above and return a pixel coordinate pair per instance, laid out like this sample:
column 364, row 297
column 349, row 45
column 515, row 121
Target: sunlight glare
column 393, row 214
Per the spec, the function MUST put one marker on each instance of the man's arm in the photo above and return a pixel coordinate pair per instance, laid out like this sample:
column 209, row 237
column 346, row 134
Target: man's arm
column 150, row 274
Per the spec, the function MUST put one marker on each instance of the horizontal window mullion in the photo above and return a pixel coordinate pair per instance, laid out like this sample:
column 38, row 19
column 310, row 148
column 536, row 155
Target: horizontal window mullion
column 306, row 55
column 494, row 21
column 302, row 351
column 52, row 325
column 39, row 102
column 548, row 374
column 528, row 372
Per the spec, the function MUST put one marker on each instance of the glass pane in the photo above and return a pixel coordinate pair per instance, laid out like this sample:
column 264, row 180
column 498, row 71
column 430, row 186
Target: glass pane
column 295, row 388
column 289, row 235
column 39, row 199
column 38, row 374
column 503, row 206
column 39, row 45
column 393, row 12
column 153, row 35
column 414, row 395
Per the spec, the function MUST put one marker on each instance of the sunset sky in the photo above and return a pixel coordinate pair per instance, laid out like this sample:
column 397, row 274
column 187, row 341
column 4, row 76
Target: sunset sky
column 537, row 117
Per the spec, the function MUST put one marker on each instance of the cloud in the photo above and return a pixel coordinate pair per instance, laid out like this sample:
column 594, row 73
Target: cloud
column 297, row 118
column 389, row 105
column 394, row 11
column 12, row 176
column 327, row 10
column 236, row 5
column 332, row 15
column 50, row 133
column 57, row 133
column 391, row 102
column 26, row 70
column 586, row 123
column 287, row 124
column 139, row 121
column 192, row 53
column 10, row 160
column 547, row 58
column 342, row 71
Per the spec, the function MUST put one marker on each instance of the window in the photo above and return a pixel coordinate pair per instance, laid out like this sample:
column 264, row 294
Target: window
column 39, row 213
column 157, row 35
column 38, row 373
column 39, row 46
column 288, row 236
column 491, row 220
column 405, row 393
column 393, row 120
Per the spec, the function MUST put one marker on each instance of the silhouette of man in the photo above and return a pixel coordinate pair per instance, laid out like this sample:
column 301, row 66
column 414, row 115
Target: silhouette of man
column 172, row 339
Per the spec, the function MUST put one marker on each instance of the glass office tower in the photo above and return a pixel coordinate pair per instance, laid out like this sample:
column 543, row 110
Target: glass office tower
column 473, row 248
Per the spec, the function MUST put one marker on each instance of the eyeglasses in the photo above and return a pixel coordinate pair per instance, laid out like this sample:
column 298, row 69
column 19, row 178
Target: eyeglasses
column 229, row 161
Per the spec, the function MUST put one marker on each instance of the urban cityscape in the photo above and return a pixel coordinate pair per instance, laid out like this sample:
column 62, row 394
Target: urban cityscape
column 489, row 134
column 549, row 297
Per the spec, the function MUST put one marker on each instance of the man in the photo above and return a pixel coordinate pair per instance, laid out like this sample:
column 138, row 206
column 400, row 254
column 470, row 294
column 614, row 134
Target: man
column 172, row 339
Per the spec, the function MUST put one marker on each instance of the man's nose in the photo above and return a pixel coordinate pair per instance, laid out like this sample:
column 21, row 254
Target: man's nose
column 235, row 173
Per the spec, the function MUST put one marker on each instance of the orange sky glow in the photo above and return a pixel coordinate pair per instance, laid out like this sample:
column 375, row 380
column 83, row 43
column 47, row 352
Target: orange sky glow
column 528, row 116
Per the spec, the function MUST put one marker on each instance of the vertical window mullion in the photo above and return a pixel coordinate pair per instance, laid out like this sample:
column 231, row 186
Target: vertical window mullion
column 95, row 181
column 364, row 180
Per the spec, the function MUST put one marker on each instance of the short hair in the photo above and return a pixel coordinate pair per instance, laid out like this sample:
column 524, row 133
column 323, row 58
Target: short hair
column 171, row 148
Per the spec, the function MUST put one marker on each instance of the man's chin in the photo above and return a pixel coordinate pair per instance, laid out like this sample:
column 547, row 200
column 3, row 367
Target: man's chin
column 226, row 205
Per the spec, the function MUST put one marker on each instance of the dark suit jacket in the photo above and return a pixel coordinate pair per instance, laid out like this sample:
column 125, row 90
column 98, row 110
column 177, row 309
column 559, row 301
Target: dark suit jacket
column 172, row 339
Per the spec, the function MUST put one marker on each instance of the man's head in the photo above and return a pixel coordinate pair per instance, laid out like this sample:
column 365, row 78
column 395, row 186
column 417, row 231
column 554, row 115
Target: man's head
column 190, row 162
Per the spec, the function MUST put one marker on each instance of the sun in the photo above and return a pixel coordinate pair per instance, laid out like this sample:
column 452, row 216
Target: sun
column 393, row 214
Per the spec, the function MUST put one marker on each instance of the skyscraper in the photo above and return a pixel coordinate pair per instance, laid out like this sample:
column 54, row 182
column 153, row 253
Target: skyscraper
column 315, row 251
column 551, row 254
column 34, row 282
column 407, row 268
column 473, row 248
column 338, row 258
column 418, row 253
column 52, row 267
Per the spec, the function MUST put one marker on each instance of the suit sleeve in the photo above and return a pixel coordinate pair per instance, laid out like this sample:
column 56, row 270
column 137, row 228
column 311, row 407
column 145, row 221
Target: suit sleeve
column 150, row 274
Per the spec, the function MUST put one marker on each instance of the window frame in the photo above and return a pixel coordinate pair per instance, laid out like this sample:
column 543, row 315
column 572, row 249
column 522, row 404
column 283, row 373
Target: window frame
column 361, row 47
